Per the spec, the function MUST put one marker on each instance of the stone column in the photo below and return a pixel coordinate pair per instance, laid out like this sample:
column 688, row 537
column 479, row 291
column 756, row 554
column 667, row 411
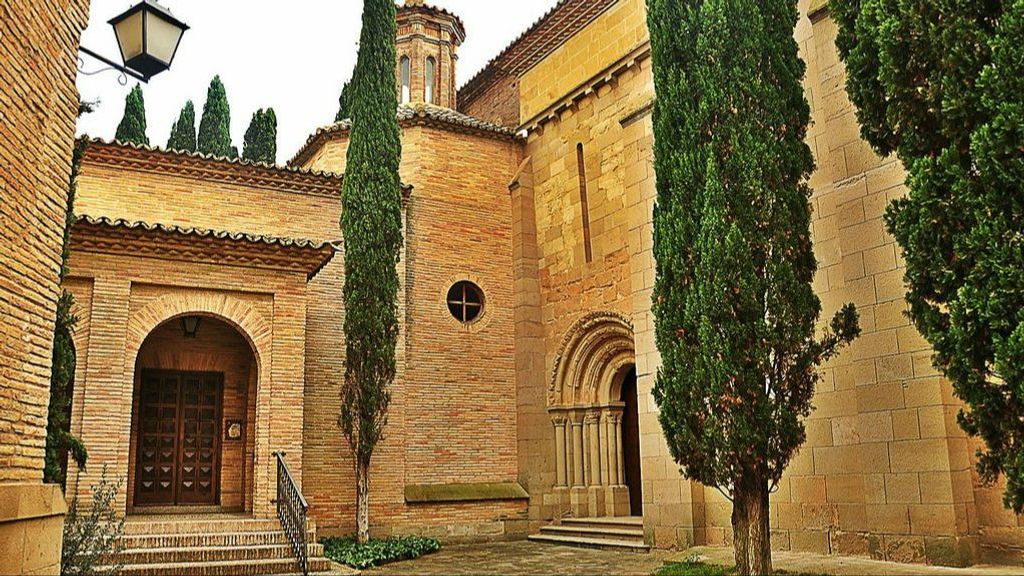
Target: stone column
column 618, row 449
column 594, row 476
column 614, row 478
column 603, row 436
column 577, row 453
column 560, row 469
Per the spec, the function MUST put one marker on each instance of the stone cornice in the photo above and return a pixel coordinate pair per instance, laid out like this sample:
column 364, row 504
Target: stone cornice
column 170, row 242
column 539, row 41
column 211, row 169
column 608, row 75
column 818, row 10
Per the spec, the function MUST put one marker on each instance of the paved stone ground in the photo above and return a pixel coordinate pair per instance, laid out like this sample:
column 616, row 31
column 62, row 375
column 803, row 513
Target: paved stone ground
column 843, row 566
column 526, row 558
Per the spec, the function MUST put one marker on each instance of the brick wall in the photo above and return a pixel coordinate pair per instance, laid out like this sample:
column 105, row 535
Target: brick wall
column 498, row 104
column 453, row 410
column 38, row 107
column 37, row 123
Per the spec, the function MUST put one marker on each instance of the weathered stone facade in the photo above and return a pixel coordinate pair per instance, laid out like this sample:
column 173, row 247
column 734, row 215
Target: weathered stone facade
column 38, row 105
column 539, row 190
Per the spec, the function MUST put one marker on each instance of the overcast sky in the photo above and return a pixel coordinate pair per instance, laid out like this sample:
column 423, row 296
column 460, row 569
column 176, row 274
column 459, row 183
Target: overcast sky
column 293, row 55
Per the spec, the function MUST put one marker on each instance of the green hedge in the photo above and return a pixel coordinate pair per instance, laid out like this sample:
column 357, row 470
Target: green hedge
column 377, row 552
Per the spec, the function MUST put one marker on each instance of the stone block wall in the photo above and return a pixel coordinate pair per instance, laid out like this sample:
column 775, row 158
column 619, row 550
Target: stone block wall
column 38, row 108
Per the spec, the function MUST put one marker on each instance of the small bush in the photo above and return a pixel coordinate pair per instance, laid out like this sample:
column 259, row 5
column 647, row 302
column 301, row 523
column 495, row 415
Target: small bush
column 93, row 535
column 377, row 552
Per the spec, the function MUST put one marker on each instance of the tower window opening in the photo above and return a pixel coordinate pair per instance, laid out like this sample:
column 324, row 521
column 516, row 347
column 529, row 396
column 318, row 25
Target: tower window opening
column 431, row 78
column 406, row 80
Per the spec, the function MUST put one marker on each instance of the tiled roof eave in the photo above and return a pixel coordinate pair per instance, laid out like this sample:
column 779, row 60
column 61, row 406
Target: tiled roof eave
column 414, row 115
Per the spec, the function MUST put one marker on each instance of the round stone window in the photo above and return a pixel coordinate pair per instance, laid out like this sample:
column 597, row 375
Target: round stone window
column 465, row 301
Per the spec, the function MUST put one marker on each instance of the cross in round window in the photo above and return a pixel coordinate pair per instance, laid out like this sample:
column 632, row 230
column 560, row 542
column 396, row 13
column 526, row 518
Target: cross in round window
column 465, row 301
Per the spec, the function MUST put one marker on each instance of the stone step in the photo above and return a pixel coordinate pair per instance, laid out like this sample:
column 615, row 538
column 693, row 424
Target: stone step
column 147, row 541
column 630, row 545
column 224, row 568
column 210, row 554
column 623, row 522
column 199, row 526
column 584, row 531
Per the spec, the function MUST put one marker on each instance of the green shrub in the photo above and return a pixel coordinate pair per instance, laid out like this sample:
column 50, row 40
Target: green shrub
column 377, row 552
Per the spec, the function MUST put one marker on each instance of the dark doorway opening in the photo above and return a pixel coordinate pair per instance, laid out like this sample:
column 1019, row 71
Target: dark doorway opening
column 631, row 443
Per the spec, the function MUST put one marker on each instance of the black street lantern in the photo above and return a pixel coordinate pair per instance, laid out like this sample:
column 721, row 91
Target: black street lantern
column 148, row 35
column 190, row 326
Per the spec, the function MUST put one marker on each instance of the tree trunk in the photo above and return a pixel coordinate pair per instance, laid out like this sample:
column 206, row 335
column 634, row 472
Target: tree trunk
column 751, row 532
column 362, row 504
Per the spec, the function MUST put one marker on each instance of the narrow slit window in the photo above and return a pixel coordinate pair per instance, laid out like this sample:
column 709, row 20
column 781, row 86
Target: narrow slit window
column 406, row 80
column 431, row 78
column 584, row 202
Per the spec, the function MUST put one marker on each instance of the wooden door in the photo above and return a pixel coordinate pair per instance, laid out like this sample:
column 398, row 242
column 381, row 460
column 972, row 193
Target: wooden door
column 178, row 455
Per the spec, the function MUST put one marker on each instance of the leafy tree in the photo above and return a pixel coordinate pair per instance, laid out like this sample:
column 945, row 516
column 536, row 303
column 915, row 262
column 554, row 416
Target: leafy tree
column 59, row 440
column 215, row 126
column 939, row 83
column 93, row 534
column 344, row 106
column 183, row 133
column 261, row 137
column 132, row 129
column 371, row 225
column 734, row 309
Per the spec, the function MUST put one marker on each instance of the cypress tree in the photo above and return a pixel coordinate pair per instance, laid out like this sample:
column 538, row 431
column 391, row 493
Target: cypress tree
column 59, row 440
column 734, row 310
column 940, row 85
column 215, row 126
column 371, row 225
column 183, row 133
column 261, row 137
column 343, row 104
column 132, row 129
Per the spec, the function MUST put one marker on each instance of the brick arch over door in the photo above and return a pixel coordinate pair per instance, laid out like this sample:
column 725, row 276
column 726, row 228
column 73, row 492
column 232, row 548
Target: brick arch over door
column 251, row 325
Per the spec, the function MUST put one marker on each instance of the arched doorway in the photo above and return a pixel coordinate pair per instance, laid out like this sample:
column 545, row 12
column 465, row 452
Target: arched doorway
column 193, row 418
column 631, row 442
column 592, row 402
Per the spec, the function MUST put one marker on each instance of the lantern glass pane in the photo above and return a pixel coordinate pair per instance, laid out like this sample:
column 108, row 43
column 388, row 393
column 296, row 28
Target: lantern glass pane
column 129, row 36
column 161, row 38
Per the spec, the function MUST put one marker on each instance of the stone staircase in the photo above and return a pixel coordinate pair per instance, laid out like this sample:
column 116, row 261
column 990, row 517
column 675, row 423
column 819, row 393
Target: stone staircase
column 624, row 533
column 211, row 546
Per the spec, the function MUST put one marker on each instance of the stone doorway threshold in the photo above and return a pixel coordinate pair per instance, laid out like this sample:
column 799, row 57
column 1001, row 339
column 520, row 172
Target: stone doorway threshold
column 841, row 565
column 183, row 510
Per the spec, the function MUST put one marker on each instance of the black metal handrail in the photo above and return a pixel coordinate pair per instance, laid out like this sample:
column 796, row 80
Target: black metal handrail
column 292, row 510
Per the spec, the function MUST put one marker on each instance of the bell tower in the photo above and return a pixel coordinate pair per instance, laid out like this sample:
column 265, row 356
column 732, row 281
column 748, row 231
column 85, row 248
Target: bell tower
column 428, row 43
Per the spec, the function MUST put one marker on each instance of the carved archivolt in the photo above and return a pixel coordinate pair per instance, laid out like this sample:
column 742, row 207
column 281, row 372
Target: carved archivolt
column 593, row 352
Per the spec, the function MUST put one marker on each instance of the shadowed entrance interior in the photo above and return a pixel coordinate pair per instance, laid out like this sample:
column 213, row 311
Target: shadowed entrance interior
column 631, row 443
column 193, row 419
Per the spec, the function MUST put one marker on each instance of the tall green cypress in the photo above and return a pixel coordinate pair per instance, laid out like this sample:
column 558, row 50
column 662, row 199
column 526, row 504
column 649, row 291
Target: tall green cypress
column 132, row 129
column 939, row 84
column 371, row 224
column 59, row 440
column 215, row 126
column 183, row 133
column 344, row 108
column 734, row 309
column 261, row 137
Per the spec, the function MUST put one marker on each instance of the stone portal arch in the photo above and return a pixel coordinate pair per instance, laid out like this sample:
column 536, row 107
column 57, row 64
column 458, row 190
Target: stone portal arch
column 586, row 407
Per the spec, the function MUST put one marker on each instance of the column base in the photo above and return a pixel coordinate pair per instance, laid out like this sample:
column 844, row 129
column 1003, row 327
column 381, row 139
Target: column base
column 31, row 528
